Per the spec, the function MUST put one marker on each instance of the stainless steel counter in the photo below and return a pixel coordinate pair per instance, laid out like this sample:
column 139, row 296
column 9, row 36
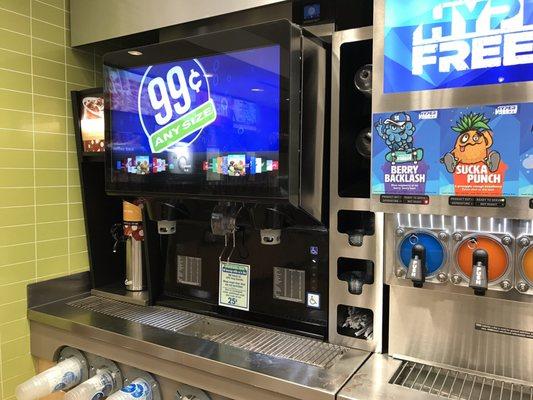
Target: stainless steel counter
column 383, row 377
column 187, row 354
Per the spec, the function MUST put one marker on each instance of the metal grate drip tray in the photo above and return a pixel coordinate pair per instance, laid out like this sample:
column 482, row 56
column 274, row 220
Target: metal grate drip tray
column 158, row 317
column 450, row 384
column 281, row 345
column 245, row 337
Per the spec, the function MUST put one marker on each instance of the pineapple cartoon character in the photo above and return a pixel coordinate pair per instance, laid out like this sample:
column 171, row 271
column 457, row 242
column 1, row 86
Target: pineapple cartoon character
column 473, row 144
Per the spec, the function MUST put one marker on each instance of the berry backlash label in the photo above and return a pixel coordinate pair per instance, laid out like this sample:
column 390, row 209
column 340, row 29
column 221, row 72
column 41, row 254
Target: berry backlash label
column 484, row 151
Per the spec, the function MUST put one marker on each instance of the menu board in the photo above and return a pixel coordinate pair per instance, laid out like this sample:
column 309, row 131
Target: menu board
column 482, row 151
column 92, row 124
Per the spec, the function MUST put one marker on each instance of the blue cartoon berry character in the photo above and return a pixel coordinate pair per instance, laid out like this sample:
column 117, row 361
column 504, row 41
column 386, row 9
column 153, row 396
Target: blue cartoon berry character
column 397, row 131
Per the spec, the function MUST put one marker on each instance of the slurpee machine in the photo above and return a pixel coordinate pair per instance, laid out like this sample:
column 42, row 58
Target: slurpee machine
column 452, row 162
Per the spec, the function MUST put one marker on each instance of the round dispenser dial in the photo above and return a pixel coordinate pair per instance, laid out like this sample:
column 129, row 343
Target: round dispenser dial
column 498, row 257
column 527, row 265
column 435, row 253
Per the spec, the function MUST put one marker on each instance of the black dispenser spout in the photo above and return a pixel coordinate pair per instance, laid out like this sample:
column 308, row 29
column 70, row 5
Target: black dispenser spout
column 417, row 266
column 480, row 270
column 355, row 284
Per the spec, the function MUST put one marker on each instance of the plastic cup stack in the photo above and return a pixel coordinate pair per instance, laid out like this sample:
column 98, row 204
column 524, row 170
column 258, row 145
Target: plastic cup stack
column 62, row 376
column 95, row 388
column 138, row 389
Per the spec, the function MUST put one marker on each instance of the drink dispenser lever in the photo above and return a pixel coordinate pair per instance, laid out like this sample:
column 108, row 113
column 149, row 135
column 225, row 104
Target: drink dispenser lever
column 480, row 269
column 417, row 266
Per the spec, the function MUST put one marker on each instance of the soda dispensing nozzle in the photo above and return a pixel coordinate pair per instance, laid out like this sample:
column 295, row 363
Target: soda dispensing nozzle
column 480, row 270
column 417, row 266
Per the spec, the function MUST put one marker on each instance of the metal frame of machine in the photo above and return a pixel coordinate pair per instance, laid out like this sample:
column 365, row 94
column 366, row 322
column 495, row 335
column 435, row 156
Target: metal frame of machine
column 372, row 296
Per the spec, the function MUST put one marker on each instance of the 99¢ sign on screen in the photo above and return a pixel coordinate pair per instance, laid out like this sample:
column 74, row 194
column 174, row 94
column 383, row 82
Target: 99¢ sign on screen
column 180, row 104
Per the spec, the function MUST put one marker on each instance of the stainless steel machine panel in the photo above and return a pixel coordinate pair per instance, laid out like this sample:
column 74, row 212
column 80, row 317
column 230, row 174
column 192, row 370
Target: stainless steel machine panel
column 483, row 334
column 517, row 207
column 444, row 322
column 372, row 296
column 385, row 378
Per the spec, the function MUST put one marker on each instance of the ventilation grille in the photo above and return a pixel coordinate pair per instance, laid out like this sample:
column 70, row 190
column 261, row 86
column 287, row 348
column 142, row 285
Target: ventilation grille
column 450, row 384
column 262, row 341
column 281, row 345
column 158, row 317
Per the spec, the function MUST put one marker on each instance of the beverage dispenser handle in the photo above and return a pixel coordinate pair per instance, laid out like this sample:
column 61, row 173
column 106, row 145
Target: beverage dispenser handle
column 117, row 233
column 480, row 270
column 417, row 266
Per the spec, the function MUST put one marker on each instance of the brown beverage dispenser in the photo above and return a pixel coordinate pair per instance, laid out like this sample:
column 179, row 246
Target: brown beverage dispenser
column 131, row 232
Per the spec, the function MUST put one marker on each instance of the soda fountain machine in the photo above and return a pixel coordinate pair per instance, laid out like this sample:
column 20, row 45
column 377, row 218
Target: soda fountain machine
column 452, row 146
column 215, row 139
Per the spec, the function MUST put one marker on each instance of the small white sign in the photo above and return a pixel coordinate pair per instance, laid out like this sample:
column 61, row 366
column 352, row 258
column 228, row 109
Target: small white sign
column 313, row 300
column 234, row 285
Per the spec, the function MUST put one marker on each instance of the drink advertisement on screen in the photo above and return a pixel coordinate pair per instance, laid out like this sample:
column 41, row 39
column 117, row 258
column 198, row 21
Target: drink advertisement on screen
column 483, row 151
column 215, row 116
column 435, row 44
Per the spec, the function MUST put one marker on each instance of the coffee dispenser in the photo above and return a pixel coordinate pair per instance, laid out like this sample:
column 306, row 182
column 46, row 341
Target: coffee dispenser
column 131, row 233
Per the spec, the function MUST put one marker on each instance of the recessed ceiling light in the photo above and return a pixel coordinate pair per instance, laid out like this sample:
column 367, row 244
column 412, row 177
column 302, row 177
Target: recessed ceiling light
column 135, row 53
column 257, row 90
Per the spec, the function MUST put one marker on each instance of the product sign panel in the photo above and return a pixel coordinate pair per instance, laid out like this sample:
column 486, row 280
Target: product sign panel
column 404, row 155
column 234, row 285
column 480, row 151
column 435, row 44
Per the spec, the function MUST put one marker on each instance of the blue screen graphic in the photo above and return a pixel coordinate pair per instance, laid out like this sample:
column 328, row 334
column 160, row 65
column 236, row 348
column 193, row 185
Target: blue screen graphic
column 217, row 113
column 435, row 44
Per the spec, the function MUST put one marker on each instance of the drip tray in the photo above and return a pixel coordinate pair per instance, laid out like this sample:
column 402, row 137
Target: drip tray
column 387, row 378
column 246, row 337
column 451, row 384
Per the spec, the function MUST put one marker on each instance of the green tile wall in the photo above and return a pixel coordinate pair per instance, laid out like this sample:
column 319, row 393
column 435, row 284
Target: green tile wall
column 42, row 233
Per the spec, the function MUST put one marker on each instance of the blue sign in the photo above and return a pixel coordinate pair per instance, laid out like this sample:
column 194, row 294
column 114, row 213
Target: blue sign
column 473, row 151
column 436, row 44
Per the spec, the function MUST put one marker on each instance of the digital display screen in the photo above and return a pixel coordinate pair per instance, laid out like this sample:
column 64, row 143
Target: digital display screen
column 312, row 12
column 92, row 124
column 205, row 121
